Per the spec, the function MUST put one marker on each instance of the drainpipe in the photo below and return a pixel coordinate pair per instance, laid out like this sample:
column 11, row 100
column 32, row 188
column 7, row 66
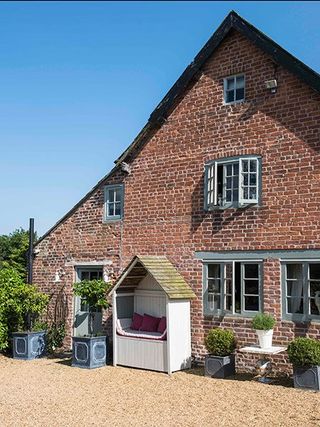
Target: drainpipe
column 30, row 251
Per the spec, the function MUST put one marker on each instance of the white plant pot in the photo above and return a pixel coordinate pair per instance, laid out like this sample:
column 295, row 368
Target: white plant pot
column 265, row 338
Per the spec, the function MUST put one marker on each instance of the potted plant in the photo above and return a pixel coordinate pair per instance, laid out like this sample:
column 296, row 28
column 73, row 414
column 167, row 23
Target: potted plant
column 220, row 362
column 304, row 354
column 22, row 304
column 91, row 351
column 263, row 325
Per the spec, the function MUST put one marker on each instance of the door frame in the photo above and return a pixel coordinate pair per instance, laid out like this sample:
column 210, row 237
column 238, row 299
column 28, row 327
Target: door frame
column 77, row 271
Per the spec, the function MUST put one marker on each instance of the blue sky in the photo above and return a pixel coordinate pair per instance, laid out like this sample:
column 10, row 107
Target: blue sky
column 80, row 79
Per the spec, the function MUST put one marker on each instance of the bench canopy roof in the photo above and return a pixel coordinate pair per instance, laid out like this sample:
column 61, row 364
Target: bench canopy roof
column 161, row 269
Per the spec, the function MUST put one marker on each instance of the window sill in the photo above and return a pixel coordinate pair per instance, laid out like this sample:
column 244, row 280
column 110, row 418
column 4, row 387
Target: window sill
column 235, row 206
column 231, row 316
column 301, row 320
column 111, row 221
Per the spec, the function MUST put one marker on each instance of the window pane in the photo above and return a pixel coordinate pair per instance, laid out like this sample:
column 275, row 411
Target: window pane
column 93, row 275
column 229, row 183
column 314, row 271
column 314, row 288
column 84, row 275
column 229, row 302
column 239, row 94
column 251, row 271
column 214, row 271
column 245, row 179
column 251, row 287
column 240, row 82
column 229, row 170
column 235, row 194
column 253, row 179
column 295, row 305
column 251, row 303
column 253, row 165
column 230, row 83
column 252, row 193
column 213, row 285
column 118, row 194
column 294, row 271
column 245, row 193
column 315, row 306
column 118, row 208
column 236, row 169
column 245, row 165
column 229, row 96
column 110, row 211
column 111, row 194
column 228, row 196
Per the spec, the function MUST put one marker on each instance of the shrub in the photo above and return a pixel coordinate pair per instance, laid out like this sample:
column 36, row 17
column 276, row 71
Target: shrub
column 19, row 303
column 304, row 352
column 220, row 342
column 94, row 292
column 263, row 322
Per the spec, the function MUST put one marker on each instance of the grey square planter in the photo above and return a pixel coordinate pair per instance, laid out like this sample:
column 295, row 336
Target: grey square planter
column 89, row 352
column 308, row 378
column 219, row 367
column 29, row 345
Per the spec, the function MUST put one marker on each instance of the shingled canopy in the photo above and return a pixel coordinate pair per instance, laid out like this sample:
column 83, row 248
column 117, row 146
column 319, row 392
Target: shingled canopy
column 161, row 269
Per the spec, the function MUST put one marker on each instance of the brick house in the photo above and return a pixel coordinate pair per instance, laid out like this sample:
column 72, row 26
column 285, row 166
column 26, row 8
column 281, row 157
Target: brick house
column 224, row 181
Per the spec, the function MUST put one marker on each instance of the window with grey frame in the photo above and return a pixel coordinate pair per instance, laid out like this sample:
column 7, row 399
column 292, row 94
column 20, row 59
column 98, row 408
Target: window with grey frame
column 113, row 202
column 232, row 288
column 232, row 182
column 301, row 290
column 234, row 89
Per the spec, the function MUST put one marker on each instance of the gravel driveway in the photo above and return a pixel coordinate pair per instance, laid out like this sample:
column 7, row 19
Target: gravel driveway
column 49, row 392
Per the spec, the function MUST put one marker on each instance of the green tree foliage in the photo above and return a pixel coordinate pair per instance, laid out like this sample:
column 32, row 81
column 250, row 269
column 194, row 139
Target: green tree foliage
column 304, row 352
column 13, row 251
column 18, row 302
column 94, row 293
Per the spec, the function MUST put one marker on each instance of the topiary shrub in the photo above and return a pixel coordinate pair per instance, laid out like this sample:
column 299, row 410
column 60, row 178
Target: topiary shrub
column 94, row 292
column 263, row 322
column 304, row 352
column 220, row 342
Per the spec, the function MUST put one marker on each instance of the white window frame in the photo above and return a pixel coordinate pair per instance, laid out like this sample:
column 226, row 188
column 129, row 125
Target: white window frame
column 234, row 77
column 211, row 188
column 223, row 294
column 107, row 188
column 306, row 316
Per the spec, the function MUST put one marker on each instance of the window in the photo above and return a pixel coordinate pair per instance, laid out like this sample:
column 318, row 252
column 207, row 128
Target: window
column 232, row 182
column 232, row 288
column 301, row 281
column 234, row 89
column 113, row 202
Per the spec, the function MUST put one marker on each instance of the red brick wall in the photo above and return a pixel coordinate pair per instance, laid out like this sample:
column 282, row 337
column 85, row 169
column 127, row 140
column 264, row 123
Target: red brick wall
column 164, row 192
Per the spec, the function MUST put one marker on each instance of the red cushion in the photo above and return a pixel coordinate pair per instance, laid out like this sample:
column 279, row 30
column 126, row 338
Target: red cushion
column 162, row 325
column 149, row 323
column 136, row 321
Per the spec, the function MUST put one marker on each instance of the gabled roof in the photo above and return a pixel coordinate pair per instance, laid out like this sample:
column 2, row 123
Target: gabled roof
column 232, row 21
column 161, row 269
column 161, row 112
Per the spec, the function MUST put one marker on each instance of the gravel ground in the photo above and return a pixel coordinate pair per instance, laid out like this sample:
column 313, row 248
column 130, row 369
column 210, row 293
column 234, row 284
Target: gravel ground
column 49, row 392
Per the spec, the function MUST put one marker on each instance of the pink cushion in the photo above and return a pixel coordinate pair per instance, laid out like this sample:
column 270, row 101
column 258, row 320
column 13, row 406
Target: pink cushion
column 136, row 321
column 162, row 325
column 149, row 323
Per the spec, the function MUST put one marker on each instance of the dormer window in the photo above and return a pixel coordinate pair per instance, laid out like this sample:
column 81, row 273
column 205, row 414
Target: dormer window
column 234, row 89
column 232, row 182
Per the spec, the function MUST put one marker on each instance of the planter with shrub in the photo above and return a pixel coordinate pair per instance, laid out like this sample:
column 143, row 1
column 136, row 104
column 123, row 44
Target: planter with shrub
column 263, row 325
column 220, row 362
column 20, row 306
column 304, row 354
column 91, row 351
